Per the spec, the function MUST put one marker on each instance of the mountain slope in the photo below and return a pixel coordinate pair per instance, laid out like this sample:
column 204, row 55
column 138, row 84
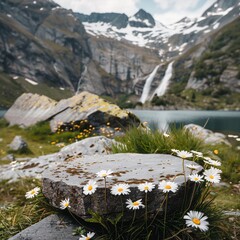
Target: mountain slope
column 43, row 43
column 208, row 75
column 141, row 29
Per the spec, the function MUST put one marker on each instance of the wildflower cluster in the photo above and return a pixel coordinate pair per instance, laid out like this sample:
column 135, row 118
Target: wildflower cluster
column 193, row 218
column 211, row 175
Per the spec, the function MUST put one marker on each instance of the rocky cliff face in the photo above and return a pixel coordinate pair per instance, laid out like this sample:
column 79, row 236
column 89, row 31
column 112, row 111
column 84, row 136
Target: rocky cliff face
column 43, row 45
column 42, row 42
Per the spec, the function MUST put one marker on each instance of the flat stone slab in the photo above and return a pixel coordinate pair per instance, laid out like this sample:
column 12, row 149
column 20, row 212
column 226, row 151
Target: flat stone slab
column 53, row 227
column 36, row 166
column 67, row 180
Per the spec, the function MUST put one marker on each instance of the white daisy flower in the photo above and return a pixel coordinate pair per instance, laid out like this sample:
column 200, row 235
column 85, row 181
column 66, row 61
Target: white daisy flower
column 166, row 135
column 184, row 154
column 195, row 178
column 192, row 166
column 174, row 150
column 120, row 189
column 104, row 173
column 214, row 163
column 196, row 219
column 65, row 203
column 212, row 175
column 198, row 154
column 167, row 186
column 32, row 193
column 88, row 237
column 134, row 205
column 147, row 187
column 90, row 187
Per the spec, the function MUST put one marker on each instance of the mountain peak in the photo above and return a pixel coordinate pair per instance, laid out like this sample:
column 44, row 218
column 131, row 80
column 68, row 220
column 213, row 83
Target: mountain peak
column 142, row 19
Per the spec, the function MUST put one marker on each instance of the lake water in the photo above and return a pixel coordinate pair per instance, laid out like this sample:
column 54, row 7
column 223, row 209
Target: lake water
column 221, row 121
column 2, row 112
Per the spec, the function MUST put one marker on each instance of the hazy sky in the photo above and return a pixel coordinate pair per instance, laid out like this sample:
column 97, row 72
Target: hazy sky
column 165, row 11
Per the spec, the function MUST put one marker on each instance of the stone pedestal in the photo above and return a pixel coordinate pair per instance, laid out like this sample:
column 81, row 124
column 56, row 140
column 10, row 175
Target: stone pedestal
column 67, row 181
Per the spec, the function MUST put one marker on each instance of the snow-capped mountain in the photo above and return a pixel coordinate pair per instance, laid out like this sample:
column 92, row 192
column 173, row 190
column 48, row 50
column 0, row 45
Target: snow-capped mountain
column 143, row 30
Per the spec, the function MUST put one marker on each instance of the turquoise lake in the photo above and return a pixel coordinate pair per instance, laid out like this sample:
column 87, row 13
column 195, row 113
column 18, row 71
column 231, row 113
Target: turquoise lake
column 222, row 121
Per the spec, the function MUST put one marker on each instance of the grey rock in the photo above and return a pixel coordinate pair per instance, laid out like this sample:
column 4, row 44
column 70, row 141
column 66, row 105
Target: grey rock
column 10, row 157
column 89, row 146
column 207, row 135
column 18, row 144
column 53, row 227
column 30, row 109
column 67, row 181
column 36, row 166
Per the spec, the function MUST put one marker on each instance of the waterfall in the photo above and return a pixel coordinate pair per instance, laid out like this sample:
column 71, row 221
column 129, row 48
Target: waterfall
column 147, row 85
column 80, row 80
column 162, row 88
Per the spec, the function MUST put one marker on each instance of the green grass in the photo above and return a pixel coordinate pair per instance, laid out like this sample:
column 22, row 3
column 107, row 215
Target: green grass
column 17, row 213
column 38, row 144
column 137, row 140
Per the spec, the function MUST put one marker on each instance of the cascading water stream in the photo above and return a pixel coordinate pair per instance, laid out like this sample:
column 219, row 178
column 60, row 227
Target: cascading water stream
column 162, row 88
column 147, row 85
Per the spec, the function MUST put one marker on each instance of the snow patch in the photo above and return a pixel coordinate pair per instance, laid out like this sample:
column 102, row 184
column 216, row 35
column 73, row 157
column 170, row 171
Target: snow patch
column 215, row 26
column 31, row 81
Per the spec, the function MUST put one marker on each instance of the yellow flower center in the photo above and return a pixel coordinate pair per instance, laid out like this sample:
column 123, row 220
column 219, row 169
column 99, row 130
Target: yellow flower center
column 66, row 204
column 104, row 174
column 90, row 187
column 87, row 238
column 196, row 179
column 136, row 204
column 120, row 189
column 33, row 192
column 196, row 221
column 211, row 176
column 168, row 187
column 146, row 188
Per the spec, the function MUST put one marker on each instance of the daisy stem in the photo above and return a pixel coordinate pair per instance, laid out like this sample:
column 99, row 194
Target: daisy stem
column 74, row 217
column 185, row 184
column 184, row 171
column 158, row 210
column 190, row 203
column 134, row 216
column 146, row 208
column 175, row 235
column 165, row 216
column 105, row 194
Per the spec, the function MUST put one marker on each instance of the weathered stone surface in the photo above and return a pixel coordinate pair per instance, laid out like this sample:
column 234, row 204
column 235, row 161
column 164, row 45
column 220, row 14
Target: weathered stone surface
column 87, row 106
column 67, row 114
column 53, row 227
column 10, row 157
column 36, row 166
column 207, row 135
column 29, row 109
column 18, row 144
column 67, row 181
column 89, row 146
